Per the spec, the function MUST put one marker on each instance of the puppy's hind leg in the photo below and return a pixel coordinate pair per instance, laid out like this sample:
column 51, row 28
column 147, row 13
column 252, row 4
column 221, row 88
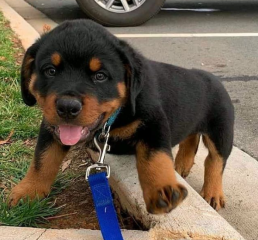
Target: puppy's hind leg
column 185, row 156
column 215, row 163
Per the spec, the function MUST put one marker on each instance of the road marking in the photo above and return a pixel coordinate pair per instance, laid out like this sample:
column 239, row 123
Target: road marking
column 186, row 35
column 191, row 9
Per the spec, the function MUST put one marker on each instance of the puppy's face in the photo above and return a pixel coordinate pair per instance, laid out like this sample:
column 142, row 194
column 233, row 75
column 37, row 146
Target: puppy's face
column 78, row 78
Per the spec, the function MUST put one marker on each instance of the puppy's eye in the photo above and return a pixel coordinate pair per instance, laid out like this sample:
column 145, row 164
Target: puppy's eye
column 100, row 77
column 50, row 72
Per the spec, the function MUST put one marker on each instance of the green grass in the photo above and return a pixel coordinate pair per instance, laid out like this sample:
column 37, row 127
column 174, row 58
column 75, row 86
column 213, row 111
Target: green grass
column 27, row 214
column 14, row 115
column 15, row 156
column 15, row 159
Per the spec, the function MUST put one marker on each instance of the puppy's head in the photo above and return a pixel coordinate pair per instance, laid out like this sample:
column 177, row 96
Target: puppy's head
column 79, row 74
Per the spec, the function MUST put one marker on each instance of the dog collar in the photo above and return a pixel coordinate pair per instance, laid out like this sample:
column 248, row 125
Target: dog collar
column 113, row 117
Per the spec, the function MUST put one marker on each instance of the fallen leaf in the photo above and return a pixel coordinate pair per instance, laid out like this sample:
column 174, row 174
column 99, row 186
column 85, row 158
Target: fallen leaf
column 46, row 28
column 2, row 185
column 7, row 139
column 2, row 58
column 66, row 165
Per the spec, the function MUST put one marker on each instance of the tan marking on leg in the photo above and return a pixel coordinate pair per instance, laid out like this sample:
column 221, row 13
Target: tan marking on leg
column 212, row 190
column 161, row 191
column 95, row 64
column 185, row 156
column 37, row 182
column 56, row 59
column 127, row 131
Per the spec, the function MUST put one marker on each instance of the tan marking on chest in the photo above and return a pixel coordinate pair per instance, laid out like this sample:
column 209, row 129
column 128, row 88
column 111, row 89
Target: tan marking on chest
column 127, row 131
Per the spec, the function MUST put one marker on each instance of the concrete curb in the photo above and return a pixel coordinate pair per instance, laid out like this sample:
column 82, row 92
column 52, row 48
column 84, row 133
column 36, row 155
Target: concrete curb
column 194, row 219
column 33, row 17
column 25, row 32
column 240, row 181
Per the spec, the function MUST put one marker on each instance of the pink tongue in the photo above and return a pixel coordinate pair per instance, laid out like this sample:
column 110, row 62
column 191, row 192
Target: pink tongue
column 70, row 135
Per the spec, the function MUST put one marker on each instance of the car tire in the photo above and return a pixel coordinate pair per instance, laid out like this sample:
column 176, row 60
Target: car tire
column 111, row 19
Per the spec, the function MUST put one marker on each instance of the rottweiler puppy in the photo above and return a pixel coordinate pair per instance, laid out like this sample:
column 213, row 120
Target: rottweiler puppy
column 80, row 74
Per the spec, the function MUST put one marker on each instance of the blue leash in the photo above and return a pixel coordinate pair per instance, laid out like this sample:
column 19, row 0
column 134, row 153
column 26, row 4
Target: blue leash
column 104, row 207
column 100, row 189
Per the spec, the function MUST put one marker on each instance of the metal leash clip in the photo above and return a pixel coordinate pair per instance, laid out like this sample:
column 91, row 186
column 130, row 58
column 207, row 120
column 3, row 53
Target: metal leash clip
column 100, row 165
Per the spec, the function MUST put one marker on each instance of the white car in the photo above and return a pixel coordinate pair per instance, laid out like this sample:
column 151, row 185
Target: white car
column 121, row 13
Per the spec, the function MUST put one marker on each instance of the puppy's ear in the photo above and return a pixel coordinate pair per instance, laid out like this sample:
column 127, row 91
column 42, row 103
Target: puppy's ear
column 133, row 66
column 28, row 66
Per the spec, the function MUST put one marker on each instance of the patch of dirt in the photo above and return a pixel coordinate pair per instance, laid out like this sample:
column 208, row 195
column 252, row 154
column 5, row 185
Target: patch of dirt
column 78, row 210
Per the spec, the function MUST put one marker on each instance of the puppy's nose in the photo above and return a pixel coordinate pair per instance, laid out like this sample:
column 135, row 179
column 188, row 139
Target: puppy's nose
column 68, row 108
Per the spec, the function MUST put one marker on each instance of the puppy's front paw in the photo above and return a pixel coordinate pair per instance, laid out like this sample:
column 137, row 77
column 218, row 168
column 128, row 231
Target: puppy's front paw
column 26, row 189
column 165, row 199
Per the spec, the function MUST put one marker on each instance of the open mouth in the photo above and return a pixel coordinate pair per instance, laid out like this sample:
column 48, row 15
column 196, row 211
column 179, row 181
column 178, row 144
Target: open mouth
column 72, row 134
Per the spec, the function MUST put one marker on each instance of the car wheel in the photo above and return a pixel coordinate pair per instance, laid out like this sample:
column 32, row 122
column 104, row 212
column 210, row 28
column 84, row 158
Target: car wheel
column 121, row 13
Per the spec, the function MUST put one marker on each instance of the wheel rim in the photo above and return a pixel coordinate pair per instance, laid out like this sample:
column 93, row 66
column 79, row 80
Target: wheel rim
column 120, row 6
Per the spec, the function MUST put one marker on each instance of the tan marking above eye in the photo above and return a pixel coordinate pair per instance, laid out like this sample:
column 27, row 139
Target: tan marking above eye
column 95, row 64
column 56, row 58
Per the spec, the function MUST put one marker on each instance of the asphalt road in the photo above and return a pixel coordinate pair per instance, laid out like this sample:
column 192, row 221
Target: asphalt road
column 234, row 59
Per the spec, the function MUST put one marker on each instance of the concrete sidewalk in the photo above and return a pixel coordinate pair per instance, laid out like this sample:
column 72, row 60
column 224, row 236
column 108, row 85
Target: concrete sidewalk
column 19, row 233
column 32, row 16
column 194, row 219
column 240, row 184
